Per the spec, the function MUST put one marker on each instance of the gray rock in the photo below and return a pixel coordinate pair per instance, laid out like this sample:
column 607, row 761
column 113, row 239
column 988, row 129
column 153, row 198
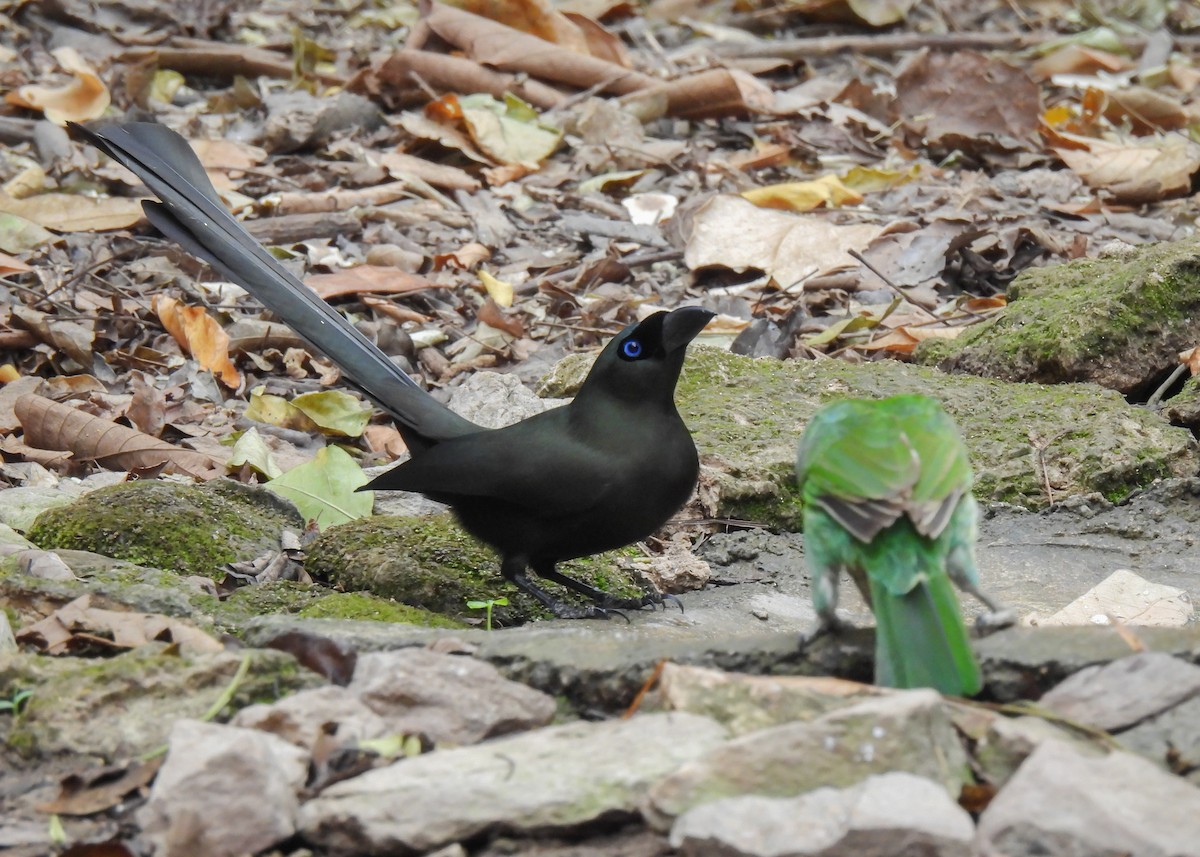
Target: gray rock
column 1172, row 739
column 223, row 792
column 1063, row 803
column 449, row 698
column 304, row 717
column 553, row 779
column 1124, row 692
column 888, row 815
column 746, row 703
column 494, row 400
column 908, row 731
column 20, row 506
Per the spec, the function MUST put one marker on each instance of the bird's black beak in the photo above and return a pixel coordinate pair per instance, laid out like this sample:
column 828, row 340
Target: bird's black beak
column 681, row 326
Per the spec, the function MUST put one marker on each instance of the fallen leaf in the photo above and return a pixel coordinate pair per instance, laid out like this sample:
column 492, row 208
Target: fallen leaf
column 324, row 488
column 122, row 629
column 824, row 192
column 363, row 279
column 730, row 232
column 498, row 290
column 199, row 335
column 69, row 212
column 85, row 97
column 1134, row 171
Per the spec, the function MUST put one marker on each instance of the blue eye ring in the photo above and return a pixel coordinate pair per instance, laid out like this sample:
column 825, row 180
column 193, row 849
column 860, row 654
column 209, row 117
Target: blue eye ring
column 631, row 348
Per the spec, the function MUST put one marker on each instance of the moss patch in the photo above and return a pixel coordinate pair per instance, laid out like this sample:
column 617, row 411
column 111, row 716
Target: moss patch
column 433, row 564
column 190, row 529
column 1116, row 321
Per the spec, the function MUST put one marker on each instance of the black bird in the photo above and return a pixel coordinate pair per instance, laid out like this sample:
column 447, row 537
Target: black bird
column 599, row 473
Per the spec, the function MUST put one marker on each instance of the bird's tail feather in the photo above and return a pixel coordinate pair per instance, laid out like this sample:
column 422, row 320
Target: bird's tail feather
column 921, row 640
column 192, row 214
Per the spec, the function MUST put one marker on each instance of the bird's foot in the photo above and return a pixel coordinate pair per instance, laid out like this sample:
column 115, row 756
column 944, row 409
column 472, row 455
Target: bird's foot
column 563, row 610
column 995, row 620
column 650, row 599
column 826, row 625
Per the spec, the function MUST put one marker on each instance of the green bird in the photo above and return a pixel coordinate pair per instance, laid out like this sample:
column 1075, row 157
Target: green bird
column 887, row 498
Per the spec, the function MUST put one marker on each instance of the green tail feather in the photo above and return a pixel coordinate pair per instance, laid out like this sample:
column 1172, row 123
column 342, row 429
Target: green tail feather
column 921, row 641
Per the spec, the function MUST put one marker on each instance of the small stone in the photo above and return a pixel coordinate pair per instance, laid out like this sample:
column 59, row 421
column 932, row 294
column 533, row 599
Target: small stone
column 1127, row 598
column 1062, row 802
column 223, row 792
column 1121, row 693
column 448, row 698
column 889, row 815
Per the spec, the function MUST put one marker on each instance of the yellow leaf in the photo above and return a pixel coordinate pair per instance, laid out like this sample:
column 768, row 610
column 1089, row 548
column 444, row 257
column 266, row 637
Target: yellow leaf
column 827, row 191
column 498, row 290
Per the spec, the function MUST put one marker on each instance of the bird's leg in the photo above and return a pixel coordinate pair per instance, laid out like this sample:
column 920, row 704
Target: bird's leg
column 825, row 596
column 997, row 617
column 513, row 569
column 605, row 600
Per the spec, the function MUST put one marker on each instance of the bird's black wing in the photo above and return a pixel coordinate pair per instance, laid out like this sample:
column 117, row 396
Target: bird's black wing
column 192, row 214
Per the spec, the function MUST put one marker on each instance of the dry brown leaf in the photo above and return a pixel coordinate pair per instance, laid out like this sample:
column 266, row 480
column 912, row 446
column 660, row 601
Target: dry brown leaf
column 491, row 315
column 1145, row 109
column 504, row 48
column 1134, row 172
column 711, row 93
column 395, row 75
column 69, row 337
column 965, row 100
column 125, row 630
column 50, row 425
column 374, row 279
column 227, row 154
column 1191, row 359
column 69, row 212
column 85, row 97
column 101, row 789
column 9, row 265
column 1077, row 59
column 904, row 339
column 402, row 166
column 199, row 335
column 733, row 233
column 536, row 17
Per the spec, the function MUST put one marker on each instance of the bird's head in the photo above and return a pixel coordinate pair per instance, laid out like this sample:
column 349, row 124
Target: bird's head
column 642, row 362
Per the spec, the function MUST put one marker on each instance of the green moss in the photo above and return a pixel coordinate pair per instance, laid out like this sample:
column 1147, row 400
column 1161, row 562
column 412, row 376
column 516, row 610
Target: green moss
column 433, row 564
column 184, row 528
column 364, row 606
column 1119, row 321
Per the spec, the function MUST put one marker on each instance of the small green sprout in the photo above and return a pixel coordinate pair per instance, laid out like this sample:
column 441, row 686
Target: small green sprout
column 487, row 605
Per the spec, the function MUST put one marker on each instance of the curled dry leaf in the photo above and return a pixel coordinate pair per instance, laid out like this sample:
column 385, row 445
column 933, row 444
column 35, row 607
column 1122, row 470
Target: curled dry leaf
column 126, row 630
column 733, row 233
column 1133, row 171
column 68, row 212
column 377, row 279
column 51, row 425
column 537, row 17
column 199, row 335
column 85, row 97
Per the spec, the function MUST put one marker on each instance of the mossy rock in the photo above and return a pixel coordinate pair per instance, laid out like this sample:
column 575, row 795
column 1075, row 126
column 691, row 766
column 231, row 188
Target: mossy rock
column 1184, row 409
column 189, row 529
column 747, row 414
column 317, row 602
column 433, row 564
column 124, row 706
column 1117, row 321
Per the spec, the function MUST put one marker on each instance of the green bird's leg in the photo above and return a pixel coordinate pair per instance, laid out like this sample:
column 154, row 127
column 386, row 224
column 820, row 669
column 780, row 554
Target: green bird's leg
column 960, row 565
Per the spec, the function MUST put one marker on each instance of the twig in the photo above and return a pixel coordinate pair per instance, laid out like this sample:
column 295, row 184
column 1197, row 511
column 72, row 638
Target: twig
column 895, row 289
column 893, row 43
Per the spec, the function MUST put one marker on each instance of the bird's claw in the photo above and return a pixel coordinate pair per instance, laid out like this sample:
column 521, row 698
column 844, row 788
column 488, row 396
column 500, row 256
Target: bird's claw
column 995, row 620
column 589, row 611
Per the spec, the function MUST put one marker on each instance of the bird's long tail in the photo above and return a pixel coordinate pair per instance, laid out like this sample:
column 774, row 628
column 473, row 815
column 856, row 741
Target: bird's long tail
column 921, row 641
column 192, row 214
